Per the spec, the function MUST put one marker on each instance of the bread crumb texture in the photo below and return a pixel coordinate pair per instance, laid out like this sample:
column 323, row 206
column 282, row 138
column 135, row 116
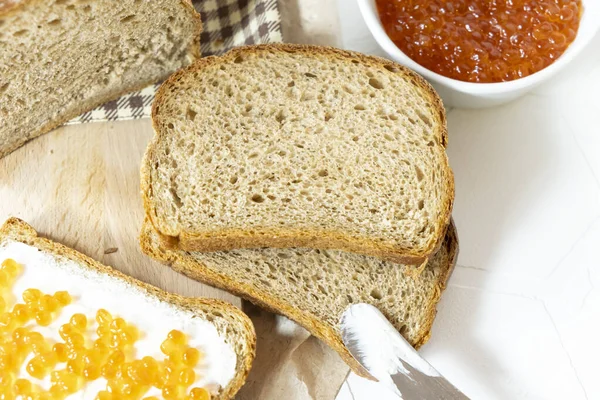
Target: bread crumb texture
column 59, row 58
column 304, row 138
column 314, row 287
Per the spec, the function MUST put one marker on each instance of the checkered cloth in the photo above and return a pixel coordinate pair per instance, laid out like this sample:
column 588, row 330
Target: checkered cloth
column 226, row 24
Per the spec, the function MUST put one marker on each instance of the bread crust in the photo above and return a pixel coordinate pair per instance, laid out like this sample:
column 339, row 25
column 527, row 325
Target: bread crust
column 11, row 7
column 279, row 305
column 285, row 238
column 18, row 230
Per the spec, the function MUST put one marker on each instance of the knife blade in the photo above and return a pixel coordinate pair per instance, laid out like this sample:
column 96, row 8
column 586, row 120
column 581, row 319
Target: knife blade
column 389, row 358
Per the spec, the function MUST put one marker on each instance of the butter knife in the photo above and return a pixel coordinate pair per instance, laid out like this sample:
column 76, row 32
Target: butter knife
column 390, row 359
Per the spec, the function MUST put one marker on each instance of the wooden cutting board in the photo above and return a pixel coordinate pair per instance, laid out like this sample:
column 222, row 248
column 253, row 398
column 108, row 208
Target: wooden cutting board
column 79, row 185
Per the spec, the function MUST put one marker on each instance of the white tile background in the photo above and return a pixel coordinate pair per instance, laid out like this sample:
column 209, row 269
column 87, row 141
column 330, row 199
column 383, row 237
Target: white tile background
column 521, row 316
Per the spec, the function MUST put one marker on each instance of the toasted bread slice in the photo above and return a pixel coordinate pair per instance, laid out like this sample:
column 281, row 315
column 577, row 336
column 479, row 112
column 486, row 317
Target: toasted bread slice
column 299, row 146
column 232, row 325
column 314, row 287
column 60, row 58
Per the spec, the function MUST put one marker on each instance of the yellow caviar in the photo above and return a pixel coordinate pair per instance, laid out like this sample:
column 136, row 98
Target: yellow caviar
column 199, row 394
column 80, row 356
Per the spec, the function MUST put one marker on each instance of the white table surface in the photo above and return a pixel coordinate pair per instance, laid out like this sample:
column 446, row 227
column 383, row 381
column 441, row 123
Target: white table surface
column 521, row 316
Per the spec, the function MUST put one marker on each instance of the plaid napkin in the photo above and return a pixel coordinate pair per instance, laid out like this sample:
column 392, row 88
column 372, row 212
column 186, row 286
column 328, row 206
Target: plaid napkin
column 226, row 24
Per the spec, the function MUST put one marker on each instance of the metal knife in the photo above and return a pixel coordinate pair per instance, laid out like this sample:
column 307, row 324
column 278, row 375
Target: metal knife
column 389, row 358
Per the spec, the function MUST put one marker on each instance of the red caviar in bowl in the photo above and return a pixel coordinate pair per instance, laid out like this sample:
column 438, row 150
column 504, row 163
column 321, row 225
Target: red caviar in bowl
column 481, row 40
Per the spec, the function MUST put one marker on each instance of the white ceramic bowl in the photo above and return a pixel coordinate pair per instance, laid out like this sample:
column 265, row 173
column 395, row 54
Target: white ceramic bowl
column 457, row 93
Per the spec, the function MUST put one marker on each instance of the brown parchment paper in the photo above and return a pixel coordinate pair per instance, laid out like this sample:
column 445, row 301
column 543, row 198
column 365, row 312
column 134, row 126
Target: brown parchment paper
column 290, row 364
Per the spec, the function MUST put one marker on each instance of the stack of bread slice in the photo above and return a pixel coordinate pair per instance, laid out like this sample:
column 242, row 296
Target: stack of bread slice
column 304, row 179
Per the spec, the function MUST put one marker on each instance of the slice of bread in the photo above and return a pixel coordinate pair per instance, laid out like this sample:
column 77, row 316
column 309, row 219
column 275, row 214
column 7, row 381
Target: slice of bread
column 231, row 324
column 299, row 146
column 314, row 287
column 60, row 58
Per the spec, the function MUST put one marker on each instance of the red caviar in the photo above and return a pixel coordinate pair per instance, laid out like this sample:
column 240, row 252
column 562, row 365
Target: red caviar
column 482, row 40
